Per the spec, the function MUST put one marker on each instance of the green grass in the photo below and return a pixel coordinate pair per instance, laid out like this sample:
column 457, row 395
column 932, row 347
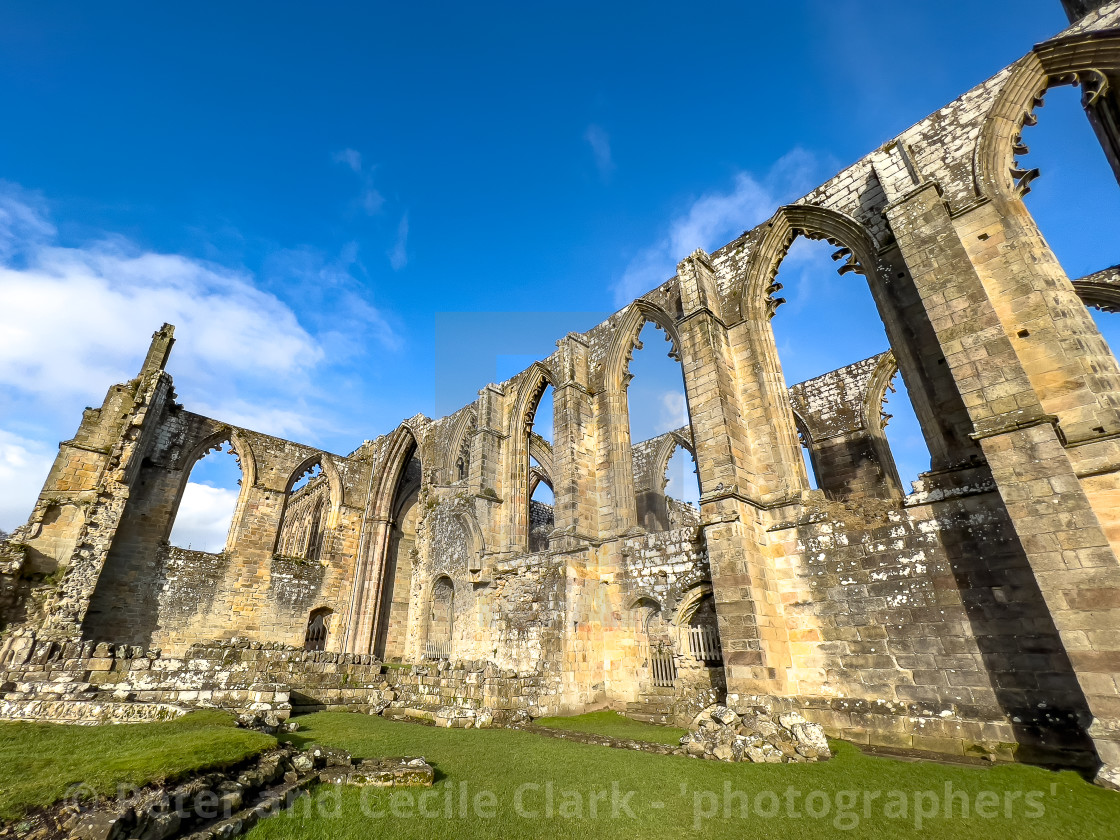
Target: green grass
column 41, row 762
column 1043, row 804
column 616, row 726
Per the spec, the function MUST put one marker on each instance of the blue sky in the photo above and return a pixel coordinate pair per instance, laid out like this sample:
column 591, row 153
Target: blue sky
column 315, row 195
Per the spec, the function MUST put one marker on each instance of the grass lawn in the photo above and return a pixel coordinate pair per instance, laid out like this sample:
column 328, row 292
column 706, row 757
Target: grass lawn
column 508, row 784
column 40, row 762
column 616, row 726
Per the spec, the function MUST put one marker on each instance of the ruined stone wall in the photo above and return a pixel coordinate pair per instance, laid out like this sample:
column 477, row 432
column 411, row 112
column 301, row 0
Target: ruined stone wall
column 149, row 593
column 942, row 619
column 841, row 420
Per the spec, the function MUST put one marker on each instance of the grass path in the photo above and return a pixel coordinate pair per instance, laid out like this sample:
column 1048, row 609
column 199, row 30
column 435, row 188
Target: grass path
column 40, row 762
column 616, row 726
column 509, row 784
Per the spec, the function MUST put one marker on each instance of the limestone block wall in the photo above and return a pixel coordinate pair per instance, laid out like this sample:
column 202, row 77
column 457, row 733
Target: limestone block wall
column 841, row 422
column 891, row 605
column 1005, row 556
column 146, row 594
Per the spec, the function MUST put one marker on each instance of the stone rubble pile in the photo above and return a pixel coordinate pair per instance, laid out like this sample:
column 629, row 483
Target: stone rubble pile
column 722, row 734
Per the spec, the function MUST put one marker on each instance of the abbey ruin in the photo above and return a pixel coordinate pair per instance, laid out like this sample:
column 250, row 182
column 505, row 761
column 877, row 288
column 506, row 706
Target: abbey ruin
column 977, row 613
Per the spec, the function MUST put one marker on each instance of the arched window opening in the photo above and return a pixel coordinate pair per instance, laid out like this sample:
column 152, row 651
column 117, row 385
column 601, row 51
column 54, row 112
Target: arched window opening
column 703, row 632
column 542, row 516
column 539, row 492
column 682, row 489
column 907, row 445
column 807, row 454
column 306, row 508
column 460, row 453
column 1070, row 188
column 646, row 614
column 391, row 636
column 829, row 324
column 655, row 646
column 441, row 617
column 1071, row 194
column 666, row 496
column 655, row 395
column 541, row 418
column 318, row 626
column 205, row 513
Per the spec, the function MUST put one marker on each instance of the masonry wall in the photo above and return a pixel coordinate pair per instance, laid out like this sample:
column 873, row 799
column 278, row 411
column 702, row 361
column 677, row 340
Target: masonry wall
column 943, row 618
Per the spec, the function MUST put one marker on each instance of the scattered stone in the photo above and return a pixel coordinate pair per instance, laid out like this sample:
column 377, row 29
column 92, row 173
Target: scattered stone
column 728, row 735
column 384, row 772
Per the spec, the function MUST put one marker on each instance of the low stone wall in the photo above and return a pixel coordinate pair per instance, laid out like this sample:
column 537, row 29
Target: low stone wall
column 478, row 686
column 86, row 682
column 88, row 712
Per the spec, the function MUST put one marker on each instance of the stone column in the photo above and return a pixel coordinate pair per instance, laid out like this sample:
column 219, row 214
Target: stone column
column 1069, row 554
column 573, row 443
column 752, row 628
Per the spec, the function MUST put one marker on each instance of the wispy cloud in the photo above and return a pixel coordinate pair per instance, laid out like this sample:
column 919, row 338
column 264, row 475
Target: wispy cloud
column 350, row 157
column 370, row 198
column 600, row 143
column 715, row 218
column 23, row 466
column 398, row 254
column 674, row 410
column 75, row 319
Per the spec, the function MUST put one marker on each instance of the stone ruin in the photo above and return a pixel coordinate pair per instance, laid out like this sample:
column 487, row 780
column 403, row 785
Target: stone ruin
column 976, row 614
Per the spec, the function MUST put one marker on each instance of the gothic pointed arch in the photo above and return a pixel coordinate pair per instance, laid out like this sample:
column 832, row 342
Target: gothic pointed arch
column 370, row 609
column 458, row 455
column 333, row 480
column 668, row 446
column 875, row 417
column 615, row 401
column 534, row 380
column 522, row 443
column 311, row 512
column 625, row 339
column 857, row 250
column 246, row 461
column 541, row 451
column 1090, row 60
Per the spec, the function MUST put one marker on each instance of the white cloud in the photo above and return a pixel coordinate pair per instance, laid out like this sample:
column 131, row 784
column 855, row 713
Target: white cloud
column 398, row 255
column 715, row 218
column 350, row 157
column 24, row 464
column 370, row 199
column 76, row 319
column 600, row 143
column 204, row 517
column 22, row 218
column 72, row 319
column 674, row 410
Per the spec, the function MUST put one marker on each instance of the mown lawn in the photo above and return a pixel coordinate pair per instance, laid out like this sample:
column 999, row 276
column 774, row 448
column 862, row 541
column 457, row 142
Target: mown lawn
column 41, row 763
column 509, row 784
column 616, row 726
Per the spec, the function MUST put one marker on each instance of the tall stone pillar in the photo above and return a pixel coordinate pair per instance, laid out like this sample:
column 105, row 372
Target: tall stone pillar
column 748, row 609
column 1069, row 554
column 486, row 472
column 573, row 444
column 98, row 468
